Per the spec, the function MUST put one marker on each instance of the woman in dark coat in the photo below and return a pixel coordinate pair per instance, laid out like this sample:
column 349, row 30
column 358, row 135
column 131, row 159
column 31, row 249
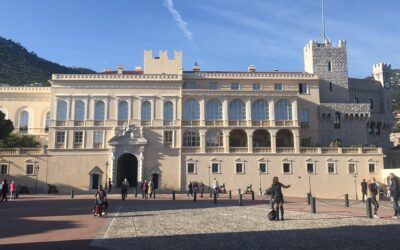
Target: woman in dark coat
column 277, row 196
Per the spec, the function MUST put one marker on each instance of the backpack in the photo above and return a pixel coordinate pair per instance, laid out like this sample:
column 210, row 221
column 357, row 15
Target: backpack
column 272, row 215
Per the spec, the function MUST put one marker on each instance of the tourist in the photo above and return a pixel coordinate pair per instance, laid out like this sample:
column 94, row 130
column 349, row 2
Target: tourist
column 13, row 190
column 394, row 191
column 195, row 187
column 216, row 187
column 4, row 190
column 151, row 189
column 363, row 189
column 109, row 185
column 101, row 202
column 142, row 188
column 277, row 196
column 190, row 187
column 146, row 188
column 202, row 189
column 124, row 189
column 372, row 193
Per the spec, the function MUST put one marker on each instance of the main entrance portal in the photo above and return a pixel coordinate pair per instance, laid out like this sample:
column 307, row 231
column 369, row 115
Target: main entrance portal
column 127, row 168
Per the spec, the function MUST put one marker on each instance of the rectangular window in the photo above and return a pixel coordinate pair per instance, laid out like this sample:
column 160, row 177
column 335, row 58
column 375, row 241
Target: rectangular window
column 278, row 87
column 304, row 118
column 263, row 167
column 4, row 169
column 287, row 168
column 78, row 137
column 168, row 138
column 239, row 167
column 215, row 168
column 235, row 86
column 256, row 86
column 191, row 167
column 212, row 85
column 60, row 137
column 303, row 88
column 371, row 168
column 352, row 168
column 29, row 169
column 331, row 167
column 98, row 139
column 189, row 85
column 310, row 168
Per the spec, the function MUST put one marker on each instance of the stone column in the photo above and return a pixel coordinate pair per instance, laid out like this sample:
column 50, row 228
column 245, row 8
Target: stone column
column 273, row 140
column 141, row 166
column 296, row 140
column 248, row 112
column 226, row 141
column 225, row 111
column 271, row 106
column 112, row 168
column 202, row 112
column 295, row 113
column 202, row 141
column 249, row 141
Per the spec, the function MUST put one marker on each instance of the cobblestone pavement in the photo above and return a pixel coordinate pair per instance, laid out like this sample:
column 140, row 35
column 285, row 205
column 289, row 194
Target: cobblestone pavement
column 149, row 225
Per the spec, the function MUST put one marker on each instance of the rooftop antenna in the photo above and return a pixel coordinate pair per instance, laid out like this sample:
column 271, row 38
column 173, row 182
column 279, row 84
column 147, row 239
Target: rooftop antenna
column 324, row 36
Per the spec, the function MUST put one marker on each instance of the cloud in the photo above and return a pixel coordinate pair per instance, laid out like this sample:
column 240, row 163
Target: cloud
column 181, row 24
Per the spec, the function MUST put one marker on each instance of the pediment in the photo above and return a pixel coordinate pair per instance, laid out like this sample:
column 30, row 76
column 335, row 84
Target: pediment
column 96, row 170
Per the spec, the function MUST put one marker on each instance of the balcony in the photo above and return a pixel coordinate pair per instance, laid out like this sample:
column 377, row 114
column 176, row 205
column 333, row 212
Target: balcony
column 97, row 145
column 215, row 123
column 61, row 123
column 309, row 150
column 79, row 123
column 214, row 149
column 168, row 123
column 191, row 150
column 261, row 123
column 237, row 123
column 285, row 150
column 261, row 150
column 329, row 150
column 191, row 123
column 284, row 123
column 238, row 150
column 77, row 145
column 60, row 146
column 350, row 150
column 21, row 151
column 98, row 123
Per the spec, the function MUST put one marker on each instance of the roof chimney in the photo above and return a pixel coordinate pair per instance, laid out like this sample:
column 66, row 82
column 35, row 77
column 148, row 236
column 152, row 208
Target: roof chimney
column 196, row 67
column 252, row 68
column 120, row 69
column 106, row 70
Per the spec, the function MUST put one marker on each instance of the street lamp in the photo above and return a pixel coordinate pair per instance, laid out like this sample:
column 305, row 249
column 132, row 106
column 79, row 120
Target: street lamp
column 106, row 174
column 36, row 173
column 355, row 184
column 209, row 178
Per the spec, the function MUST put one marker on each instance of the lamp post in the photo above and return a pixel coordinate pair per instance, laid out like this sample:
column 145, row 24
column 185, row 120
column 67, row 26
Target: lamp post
column 355, row 185
column 209, row 178
column 36, row 173
column 259, row 173
column 106, row 175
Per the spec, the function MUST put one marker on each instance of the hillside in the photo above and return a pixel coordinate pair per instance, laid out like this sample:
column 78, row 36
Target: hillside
column 18, row 66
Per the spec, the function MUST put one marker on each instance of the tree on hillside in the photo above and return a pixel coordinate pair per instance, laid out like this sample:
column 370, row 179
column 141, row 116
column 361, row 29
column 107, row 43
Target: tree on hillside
column 6, row 126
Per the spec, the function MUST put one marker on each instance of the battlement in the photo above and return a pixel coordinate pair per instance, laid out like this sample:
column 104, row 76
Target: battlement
column 162, row 64
column 383, row 67
column 315, row 44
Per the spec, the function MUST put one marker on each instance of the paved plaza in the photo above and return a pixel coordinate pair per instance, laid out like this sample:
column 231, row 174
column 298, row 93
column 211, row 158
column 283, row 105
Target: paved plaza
column 59, row 222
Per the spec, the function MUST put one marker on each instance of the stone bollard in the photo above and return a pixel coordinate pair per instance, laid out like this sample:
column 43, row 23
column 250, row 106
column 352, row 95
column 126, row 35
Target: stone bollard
column 309, row 198
column 313, row 205
column 72, row 194
column 195, row 197
column 215, row 198
column 173, row 195
column 230, row 195
column 368, row 207
column 135, row 192
column 346, row 200
column 154, row 194
column 240, row 200
column 252, row 195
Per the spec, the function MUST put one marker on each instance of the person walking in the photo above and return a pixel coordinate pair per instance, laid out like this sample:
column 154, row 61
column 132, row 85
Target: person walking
column 202, row 189
column 109, row 185
column 372, row 193
column 277, row 196
column 216, row 187
column 146, row 188
column 364, row 189
column 190, row 187
column 151, row 189
column 13, row 190
column 395, row 192
column 100, row 201
column 142, row 188
column 124, row 189
column 4, row 191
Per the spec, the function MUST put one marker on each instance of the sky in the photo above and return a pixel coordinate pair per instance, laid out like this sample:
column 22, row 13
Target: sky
column 217, row 34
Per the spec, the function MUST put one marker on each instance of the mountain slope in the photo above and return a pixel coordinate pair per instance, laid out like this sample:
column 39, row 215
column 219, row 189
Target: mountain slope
column 18, row 66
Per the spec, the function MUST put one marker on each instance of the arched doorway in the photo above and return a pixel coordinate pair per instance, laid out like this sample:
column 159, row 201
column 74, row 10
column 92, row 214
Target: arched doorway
column 127, row 168
column 155, row 180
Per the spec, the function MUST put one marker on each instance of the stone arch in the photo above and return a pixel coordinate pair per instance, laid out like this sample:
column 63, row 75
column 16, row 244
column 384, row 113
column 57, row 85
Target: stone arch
column 261, row 138
column 284, row 138
column 238, row 138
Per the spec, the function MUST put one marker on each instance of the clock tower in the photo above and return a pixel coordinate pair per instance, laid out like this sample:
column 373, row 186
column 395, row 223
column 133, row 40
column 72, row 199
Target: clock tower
column 381, row 72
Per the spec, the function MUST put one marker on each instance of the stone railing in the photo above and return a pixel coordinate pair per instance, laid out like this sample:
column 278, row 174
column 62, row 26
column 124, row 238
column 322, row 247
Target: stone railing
column 285, row 150
column 249, row 75
column 191, row 150
column 214, row 149
column 22, row 151
column 91, row 77
column 262, row 150
column 284, row 123
column 238, row 150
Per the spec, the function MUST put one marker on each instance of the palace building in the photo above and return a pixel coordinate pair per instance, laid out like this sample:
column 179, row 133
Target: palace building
column 319, row 129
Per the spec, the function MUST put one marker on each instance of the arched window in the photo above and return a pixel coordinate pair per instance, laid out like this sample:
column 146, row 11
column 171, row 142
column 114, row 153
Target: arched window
column 237, row 110
column 61, row 111
column 259, row 110
column 213, row 110
column 191, row 110
column 146, row 111
column 123, row 111
column 99, row 111
column 336, row 120
column 168, row 111
column 214, row 138
column 23, row 121
column 191, row 138
column 283, row 110
column 47, row 122
column 79, row 111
